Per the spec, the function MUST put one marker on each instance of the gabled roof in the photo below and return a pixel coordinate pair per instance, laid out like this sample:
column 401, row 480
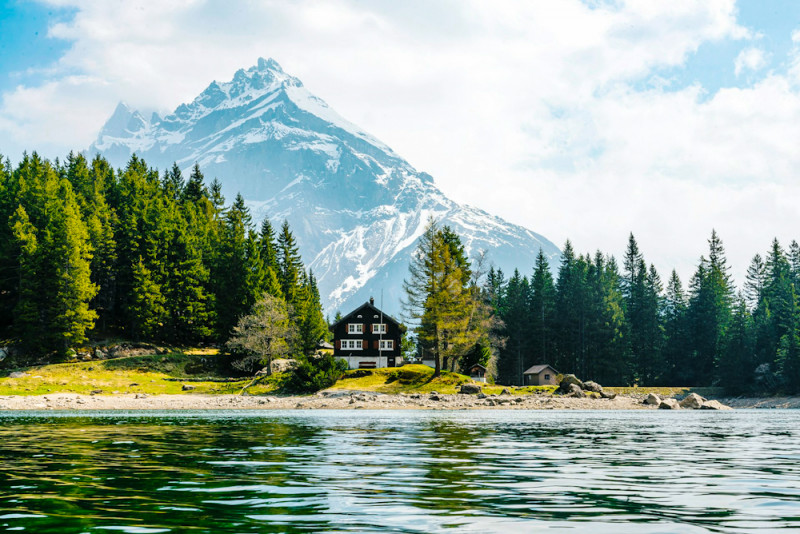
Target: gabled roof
column 369, row 309
column 536, row 369
column 473, row 366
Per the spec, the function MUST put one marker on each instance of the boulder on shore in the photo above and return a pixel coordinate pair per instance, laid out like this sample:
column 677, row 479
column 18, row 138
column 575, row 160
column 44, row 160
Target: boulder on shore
column 575, row 391
column 652, row 400
column 470, row 389
column 505, row 392
column 693, row 401
column 607, row 395
column 592, row 386
column 714, row 405
column 669, row 404
column 566, row 381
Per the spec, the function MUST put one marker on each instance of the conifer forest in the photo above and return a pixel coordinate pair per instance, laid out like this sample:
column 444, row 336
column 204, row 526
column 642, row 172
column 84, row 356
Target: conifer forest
column 87, row 250
column 133, row 253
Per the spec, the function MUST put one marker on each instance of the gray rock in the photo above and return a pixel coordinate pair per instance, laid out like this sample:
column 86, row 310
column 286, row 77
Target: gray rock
column 17, row 374
column 100, row 355
column 592, row 386
column 568, row 380
column 505, row 392
column 652, row 400
column 481, row 395
column 714, row 405
column 574, row 390
column 693, row 401
column 187, row 387
column 607, row 395
column 434, row 396
column 470, row 389
column 669, row 404
column 3, row 353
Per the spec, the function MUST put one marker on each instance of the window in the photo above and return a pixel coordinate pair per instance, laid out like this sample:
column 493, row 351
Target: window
column 387, row 344
column 351, row 344
column 547, row 377
column 355, row 328
column 379, row 328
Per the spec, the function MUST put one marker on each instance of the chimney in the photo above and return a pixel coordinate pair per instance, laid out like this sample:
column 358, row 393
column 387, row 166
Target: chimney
column 371, row 301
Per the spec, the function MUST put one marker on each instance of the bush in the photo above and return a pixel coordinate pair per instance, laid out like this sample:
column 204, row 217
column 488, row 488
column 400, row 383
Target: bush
column 315, row 374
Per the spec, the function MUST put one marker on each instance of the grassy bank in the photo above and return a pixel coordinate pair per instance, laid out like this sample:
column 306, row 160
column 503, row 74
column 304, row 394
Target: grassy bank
column 169, row 373
column 415, row 379
column 148, row 374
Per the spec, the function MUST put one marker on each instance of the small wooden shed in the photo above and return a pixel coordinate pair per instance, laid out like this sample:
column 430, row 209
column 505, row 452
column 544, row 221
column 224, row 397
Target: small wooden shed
column 478, row 373
column 540, row 375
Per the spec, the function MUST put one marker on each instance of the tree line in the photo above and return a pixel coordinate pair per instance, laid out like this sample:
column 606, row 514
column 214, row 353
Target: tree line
column 135, row 253
column 620, row 325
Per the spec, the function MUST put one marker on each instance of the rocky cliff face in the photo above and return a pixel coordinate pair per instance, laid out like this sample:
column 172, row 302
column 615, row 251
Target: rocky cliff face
column 356, row 207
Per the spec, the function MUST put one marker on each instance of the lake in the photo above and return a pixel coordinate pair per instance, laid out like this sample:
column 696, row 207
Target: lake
column 400, row 471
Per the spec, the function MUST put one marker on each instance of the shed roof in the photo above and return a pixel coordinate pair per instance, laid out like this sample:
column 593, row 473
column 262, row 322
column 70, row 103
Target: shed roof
column 536, row 369
column 477, row 365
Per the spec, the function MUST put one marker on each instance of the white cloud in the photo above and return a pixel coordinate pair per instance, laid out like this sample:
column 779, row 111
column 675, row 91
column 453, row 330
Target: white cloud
column 536, row 98
column 750, row 59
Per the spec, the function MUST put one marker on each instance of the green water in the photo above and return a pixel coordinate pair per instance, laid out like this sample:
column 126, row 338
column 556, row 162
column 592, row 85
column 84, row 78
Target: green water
column 388, row 471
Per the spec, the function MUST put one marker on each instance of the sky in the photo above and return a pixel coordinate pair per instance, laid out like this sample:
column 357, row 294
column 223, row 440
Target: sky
column 581, row 120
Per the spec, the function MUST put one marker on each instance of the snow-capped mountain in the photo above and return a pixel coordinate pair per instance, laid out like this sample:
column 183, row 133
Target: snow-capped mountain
column 355, row 206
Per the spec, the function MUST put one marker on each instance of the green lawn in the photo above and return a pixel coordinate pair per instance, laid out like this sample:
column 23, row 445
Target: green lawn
column 135, row 374
column 416, row 379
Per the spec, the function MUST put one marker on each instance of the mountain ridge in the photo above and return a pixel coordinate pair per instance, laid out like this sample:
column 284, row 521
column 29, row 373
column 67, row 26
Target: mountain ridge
column 356, row 206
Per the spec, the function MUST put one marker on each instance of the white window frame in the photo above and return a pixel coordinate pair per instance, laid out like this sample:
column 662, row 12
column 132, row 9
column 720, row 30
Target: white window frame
column 386, row 344
column 352, row 344
column 355, row 328
column 378, row 328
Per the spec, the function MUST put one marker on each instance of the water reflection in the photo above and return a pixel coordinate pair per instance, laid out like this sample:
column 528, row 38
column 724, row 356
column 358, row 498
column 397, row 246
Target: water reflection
column 400, row 471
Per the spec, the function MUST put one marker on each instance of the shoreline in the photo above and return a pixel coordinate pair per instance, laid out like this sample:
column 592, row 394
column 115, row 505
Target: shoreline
column 348, row 400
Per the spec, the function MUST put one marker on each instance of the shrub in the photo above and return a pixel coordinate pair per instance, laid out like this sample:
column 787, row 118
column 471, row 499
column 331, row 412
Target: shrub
column 315, row 374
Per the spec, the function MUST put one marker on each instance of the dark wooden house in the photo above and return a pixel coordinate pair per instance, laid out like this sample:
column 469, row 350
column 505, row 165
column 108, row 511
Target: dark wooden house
column 367, row 338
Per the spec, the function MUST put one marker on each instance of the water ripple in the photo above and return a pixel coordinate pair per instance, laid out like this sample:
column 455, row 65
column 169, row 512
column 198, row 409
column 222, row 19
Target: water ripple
column 405, row 472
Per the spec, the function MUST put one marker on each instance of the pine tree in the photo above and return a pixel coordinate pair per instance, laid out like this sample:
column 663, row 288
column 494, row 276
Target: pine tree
column 195, row 189
column 290, row 266
column 788, row 354
column 269, row 257
column 735, row 367
column 542, row 311
column 54, row 285
column 438, row 301
column 676, row 346
column 709, row 312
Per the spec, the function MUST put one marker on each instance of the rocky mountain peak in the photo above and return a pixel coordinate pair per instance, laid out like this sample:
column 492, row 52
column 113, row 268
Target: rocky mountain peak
column 356, row 207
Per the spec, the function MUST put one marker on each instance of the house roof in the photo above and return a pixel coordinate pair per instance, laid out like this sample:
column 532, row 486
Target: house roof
column 370, row 308
column 477, row 365
column 536, row 369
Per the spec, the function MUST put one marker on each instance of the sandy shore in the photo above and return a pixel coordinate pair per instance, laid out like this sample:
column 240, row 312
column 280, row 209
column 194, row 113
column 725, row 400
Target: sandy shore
column 334, row 400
